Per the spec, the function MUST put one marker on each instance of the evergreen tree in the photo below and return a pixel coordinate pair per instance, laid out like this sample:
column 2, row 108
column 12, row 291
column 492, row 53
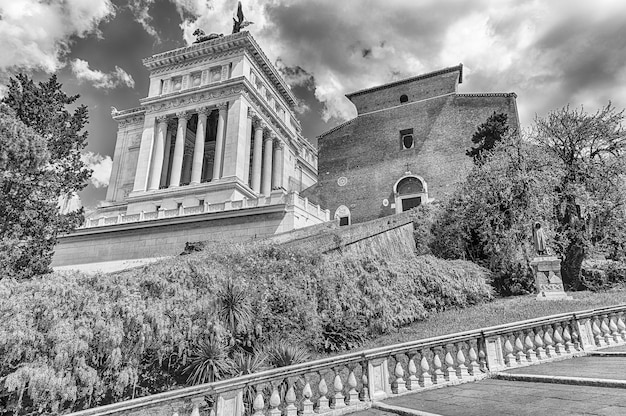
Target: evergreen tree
column 488, row 134
column 25, row 205
column 43, row 108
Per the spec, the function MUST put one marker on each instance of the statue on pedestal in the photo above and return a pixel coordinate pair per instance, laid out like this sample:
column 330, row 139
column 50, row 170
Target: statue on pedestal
column 547, row 268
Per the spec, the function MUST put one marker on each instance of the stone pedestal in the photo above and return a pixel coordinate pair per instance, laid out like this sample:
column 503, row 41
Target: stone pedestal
column 548, row 278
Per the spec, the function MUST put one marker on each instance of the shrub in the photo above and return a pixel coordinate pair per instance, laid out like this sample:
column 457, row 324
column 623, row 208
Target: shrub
column 600, row 275
column 70, row 341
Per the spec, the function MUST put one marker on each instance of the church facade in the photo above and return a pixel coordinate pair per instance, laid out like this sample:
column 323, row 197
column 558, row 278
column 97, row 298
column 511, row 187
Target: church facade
column 214, row 153
column 406, row 146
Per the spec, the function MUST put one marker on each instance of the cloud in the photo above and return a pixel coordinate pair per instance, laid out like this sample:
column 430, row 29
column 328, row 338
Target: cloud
column 141, row 11
column 101, row 166
column 36, row 35
column 99, row 79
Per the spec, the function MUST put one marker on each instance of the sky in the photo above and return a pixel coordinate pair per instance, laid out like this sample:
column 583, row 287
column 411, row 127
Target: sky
column 550, row 53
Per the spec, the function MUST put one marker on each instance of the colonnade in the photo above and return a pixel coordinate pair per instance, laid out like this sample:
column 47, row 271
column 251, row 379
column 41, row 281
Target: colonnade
column 267, row 150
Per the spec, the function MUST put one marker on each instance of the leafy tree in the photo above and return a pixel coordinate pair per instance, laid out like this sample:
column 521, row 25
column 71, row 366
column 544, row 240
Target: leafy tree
column 488, row 219
column 488, row 134
column 43, row 107
column 590, row 154
column 25, row 234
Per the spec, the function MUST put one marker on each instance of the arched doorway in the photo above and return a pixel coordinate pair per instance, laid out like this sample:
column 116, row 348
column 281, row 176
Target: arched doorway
column 343, row 215
column 409, row 192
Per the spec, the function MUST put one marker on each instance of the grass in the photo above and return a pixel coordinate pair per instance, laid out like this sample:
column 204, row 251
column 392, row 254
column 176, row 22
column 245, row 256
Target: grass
column 500, row 311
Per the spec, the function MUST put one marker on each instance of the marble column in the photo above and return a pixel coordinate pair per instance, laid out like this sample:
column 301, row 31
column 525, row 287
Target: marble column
column 246, row 157
column 279, row 163
column 266, row 184
column 179, row 149
column 185, row 177
column 198, row 151
column 145, row 155
column 166, row 156
column 257, row 152
column 219, row 140
column 158, row 153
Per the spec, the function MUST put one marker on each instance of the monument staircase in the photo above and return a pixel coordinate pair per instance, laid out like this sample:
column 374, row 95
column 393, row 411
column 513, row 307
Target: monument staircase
column 372, row 380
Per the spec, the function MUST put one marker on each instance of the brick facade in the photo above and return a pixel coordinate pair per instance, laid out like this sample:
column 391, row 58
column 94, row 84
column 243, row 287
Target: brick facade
column 361, row 160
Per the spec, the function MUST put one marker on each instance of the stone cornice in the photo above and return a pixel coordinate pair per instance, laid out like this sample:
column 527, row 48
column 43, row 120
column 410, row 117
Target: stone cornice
column 216, row 48
column 118, row 115
column 488, row 94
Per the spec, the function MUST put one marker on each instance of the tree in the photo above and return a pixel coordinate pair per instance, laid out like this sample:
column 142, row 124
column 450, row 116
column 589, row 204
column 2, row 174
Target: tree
column 590, row 154
column 26, row 235
column 43, row 108
column 488, row 218
column 488, row 134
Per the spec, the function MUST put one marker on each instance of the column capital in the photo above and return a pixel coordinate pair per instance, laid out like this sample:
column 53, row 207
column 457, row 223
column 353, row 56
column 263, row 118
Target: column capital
column 222, row 106
column 269, row 137
column 162, row 119
column 251, row 113
column 258, row 124
column 185, row 115
column 279, row 143
column 205, row 111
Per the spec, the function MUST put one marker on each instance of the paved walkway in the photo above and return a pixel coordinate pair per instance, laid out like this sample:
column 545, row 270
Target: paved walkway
column 590, row 385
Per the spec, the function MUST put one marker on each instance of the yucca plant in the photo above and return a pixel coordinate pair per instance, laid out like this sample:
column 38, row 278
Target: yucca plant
column 280, row 354
column 234, row 307
column 209, row 361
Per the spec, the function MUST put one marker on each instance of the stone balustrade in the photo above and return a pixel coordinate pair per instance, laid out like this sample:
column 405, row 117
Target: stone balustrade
column 291, row 199
column 350, row 382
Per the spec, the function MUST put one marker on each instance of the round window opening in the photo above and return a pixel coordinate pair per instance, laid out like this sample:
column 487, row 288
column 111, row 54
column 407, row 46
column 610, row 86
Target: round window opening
column 403, row 98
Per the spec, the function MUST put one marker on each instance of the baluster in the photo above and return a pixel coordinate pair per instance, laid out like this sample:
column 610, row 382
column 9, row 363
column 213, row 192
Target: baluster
column 541, row 353
column 547, row 339
column 353, row 395
column 258, row 405
column 531, row 355
column 290, row 399
column 508, row 351
column 425, row 377
column 621, row 326
column 473, row 367
column 413, row 380
column 275, row 402
column 365, row 392
column 322, row 403
column 567, row 337
column 520, row 355
column 482, row 358
column 606, row 332
column 438, row 377
column 597, row 333
column 339, row 401
column 399, row 383
column 558, row 339
column 575, row 338
column 450, row 370
column 461, row 371
column 613, row 328
column 307, row 404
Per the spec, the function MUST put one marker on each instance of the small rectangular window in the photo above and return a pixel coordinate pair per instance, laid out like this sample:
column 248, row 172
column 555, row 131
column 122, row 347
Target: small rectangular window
column 344, row 221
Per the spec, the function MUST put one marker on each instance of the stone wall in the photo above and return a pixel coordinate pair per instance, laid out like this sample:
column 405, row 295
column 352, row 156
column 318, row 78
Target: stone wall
column 167, row 237
column 390, row 236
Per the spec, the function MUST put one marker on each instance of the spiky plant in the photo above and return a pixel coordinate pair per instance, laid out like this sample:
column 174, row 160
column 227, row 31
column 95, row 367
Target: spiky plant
column 234, row 307
column 280, row 354
column 209, row 362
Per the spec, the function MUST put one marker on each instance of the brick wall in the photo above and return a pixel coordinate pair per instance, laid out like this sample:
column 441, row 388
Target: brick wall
column 368, row 151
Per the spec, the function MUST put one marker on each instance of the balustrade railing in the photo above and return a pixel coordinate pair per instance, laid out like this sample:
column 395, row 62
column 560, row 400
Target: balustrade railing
column 311, row 209
column 350, row 382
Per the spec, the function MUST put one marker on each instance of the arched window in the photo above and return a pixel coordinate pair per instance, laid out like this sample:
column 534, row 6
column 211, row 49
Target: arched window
column 343, row 215
column 403, row 99
column 410, row 191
